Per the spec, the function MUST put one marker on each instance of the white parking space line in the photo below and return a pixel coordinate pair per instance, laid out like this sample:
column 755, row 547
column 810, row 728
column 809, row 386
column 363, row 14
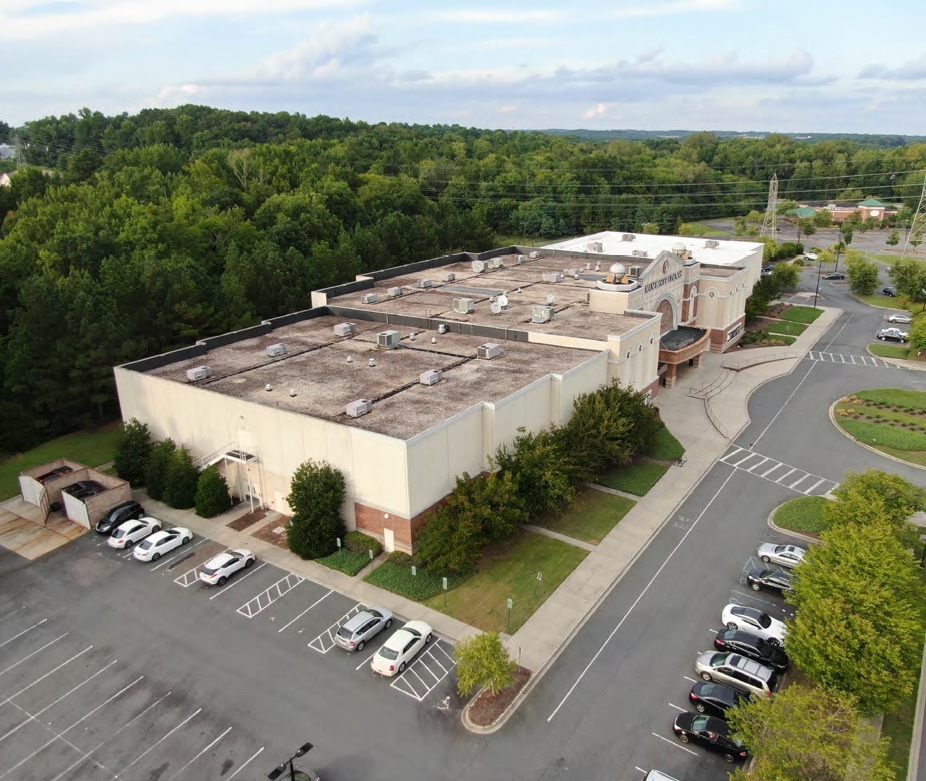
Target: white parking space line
column 69, row 768
column 10, row 615
column 421, row 670
column 764, row 460
column 286, row 626
column 325, row 641
column 689, row 679
column 754, row 597
column 814, row 486
column 136, row 718
column 26, row 658
column 188, row 578
column 14, row 637
column 122, row 691
column 50, row 672
column 152, row 748
column 200, row 754
column 786, row 474
column 270, row 595
column 230, row 586
column 675, row 743
column 766, row 473
column 673, row 705
column 247, row 762
column 366, row 661
column 183, row 552
column 798, row 481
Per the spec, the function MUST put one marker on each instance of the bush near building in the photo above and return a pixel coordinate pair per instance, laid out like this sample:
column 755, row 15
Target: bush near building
column 316, row 494
column 156, row 470
column 181, row 480
column 358, row 542
column 483, row 661
column 546, row 471
column 132, row 451
column 211, row 494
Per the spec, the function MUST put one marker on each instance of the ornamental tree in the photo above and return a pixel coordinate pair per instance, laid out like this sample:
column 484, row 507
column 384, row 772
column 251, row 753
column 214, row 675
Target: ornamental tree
column 317, row 492
column 483, row 661
column 211, row 493
column 132, row 451
column 545, row 470
column 156, row 468
column 862, row 273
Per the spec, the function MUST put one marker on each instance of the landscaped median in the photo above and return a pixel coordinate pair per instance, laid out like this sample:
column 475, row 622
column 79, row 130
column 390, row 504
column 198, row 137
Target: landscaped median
column 803, row 515
column 783, row 324
column 890, row 420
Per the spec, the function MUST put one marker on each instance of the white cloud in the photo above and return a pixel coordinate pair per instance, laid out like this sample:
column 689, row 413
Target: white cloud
column 676, row 8
column 490, row 16
column 507, row 109
column 912, row 70
column 597, row 111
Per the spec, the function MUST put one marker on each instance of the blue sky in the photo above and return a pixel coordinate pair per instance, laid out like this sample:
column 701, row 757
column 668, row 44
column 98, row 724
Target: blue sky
column 816, row 65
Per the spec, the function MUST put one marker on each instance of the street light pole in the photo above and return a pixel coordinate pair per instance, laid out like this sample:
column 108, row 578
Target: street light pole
column 279, row 770
column 817, row 291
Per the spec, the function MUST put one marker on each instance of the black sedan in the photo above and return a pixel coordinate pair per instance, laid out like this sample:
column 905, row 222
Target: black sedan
column 127, row 511
column 54, row 473
column 84, row 488
column 752, row 647
column 835, row 276
column 714, row 699
column 713, row 734
column 772, row 579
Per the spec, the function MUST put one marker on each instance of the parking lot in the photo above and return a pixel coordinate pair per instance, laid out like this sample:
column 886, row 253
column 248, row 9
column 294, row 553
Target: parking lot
column 76, row 705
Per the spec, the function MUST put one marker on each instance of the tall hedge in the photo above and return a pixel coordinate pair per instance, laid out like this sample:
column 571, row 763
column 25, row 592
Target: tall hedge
column 181, row 480
column 156, row 469
column 316, row 494
column 211, row 493
column 132, row 452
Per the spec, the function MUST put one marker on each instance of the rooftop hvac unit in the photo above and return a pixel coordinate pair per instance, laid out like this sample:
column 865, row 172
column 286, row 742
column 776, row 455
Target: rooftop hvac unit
column 431, row 377
column 639, row 253
column 488, row 350
column 388, row 340
column 551, row 276
column 276, row 350
column 442, row 328
column 198, row 373
column 479, row 266
column 635, row 271
column 520, row 258
column 711, row 243
column 594, row 246
column 534, row 255
column 422, row 283
column 358, row 408
column 628, row 237
column 369, row 298
column 497, row 263
column 464, row 306
column 448, row 277
column 345, row 329
column 541, row 313
column 570, row 272
column 394, row 292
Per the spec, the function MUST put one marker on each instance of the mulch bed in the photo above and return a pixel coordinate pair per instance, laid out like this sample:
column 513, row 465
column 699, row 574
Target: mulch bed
column 267, row 534
column 248, row 519
column 485, row 710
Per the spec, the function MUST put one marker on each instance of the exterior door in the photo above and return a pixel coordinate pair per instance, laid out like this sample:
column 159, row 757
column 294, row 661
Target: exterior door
column 388, row 540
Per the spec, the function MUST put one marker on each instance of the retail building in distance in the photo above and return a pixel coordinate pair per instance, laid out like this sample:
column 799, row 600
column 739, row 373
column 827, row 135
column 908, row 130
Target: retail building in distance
column 407, row 377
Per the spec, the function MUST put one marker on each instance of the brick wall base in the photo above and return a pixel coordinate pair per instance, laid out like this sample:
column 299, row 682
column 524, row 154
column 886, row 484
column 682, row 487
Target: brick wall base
column 405, row 530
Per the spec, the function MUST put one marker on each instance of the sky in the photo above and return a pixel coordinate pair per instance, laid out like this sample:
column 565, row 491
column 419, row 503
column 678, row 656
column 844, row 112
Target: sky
column 810, row 66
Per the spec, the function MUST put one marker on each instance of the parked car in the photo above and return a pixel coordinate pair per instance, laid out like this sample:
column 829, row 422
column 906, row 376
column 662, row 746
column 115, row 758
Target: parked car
column 395, row 654
column 893, row 335
column 767, row 270
column 127, row 534
column 771, row 579
column 782, row 555
column 353, row 635
column 58, row 471
column 904, row 319
column 658, row 775
column 754, row 620
column 889, row 290
column 714, row 699
column 752, row 647
column 838, row 275
column 84, row 488
column 746, row 675
column 712, row 733
column 219, row 569
column 161, row 542
column 116, row 516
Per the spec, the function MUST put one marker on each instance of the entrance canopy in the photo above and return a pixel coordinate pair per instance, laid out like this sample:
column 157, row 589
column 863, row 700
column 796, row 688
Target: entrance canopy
column 682, row 344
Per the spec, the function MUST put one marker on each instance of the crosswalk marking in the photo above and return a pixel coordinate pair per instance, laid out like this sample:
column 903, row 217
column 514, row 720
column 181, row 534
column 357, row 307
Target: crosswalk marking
column 797, row 480
column 853, row 360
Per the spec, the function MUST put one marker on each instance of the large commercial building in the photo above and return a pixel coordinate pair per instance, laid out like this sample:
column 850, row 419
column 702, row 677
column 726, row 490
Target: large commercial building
column 408, row 377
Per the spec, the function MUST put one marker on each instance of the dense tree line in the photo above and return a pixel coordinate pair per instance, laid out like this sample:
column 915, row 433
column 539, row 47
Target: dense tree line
column 130, row 235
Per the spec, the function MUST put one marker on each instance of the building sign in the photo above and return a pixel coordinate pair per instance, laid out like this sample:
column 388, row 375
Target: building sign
column 649, row 286
column 734, row 332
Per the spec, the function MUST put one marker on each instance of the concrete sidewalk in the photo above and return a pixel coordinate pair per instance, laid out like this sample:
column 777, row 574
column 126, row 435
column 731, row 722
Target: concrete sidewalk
column 697, row 422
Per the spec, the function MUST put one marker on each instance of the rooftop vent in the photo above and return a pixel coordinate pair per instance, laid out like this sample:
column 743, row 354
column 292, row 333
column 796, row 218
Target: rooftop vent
column 345, row 329
column 358, row 408
column 639, row 253
column 198, row 373
column 551, row 276
column 431, row 377
column 712, row 243
column 369, row 298
column 422, row 283
column 276, row 350
column 497, row 263
column 520, row 258
column 268, row 387
column 635, row 271
column 488, row 350
column 442, row 328
column 394, row 292
column 479, row 266
column 464, row 306
column 534, row 255
column 388, row 340
column 495, row 308
column 628, row 237
column 541, row 314
column 448, row 277
column 292, row 392
column 594, row 246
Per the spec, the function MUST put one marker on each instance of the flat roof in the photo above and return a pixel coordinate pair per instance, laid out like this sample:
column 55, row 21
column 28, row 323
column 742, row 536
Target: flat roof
column 317, row 368
column 727, row 252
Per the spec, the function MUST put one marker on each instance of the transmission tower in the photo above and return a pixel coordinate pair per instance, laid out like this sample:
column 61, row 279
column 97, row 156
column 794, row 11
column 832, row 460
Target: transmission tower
column 19, row 156
column 917, row 223
column 770, row 224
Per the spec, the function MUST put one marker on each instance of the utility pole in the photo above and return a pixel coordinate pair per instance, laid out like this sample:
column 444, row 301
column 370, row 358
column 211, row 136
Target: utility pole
column 19, row 156
column 917, row 222
column 770, row 223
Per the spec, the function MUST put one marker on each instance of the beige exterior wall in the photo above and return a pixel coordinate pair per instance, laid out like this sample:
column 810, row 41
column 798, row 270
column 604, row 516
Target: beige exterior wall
column 639, row 368
column 721, row 301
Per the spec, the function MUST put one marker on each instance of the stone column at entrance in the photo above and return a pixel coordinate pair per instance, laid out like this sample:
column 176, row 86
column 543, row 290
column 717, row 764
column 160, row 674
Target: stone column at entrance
column 671, row 375
column 696, row 361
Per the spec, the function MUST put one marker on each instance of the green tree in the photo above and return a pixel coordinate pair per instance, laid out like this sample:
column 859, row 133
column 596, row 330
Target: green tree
column 545, row 471
column 181, row 480
column 483, row 661
column 909, row 276
column 211, row 493
column 858, row 628
column 786, row 276
column 132, row 451
column 893, row 238
column 809, row 734
column 918, row 333
column 807, row 226
column 650, row 227
column 156, row 470
column 863, row 275
column 874, row 496
column 316, row 494
column 823, row 218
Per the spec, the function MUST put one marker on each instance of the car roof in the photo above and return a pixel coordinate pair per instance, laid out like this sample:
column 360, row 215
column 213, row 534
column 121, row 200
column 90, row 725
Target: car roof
column 220, row 559
column 159, row 535
column 749, row 666
column 717, row 691
column 397, row 640
column 745, row 610
column 361, row 618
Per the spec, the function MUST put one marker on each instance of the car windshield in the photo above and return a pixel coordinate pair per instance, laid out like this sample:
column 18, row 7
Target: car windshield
column 388, row 653
column 764, row 621
column 345, row 632
column 121, row 532
column 765, row 648
column 145, row 544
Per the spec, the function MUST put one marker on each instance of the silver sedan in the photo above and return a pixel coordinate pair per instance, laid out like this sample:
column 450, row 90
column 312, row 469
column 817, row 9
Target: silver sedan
column 783, row 555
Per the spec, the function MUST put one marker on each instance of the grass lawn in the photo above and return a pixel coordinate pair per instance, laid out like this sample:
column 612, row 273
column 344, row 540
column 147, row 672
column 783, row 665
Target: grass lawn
column 635, row 479
column 883, row 257
column 709, row 230
column 665, row 447
column 895, row 397
column 886, row 302
column 801, row 314
column 400, row 580
column 509, row 571
column 804, row 514
column 345, row 561
column 592, row 516
column 788, row 327
column 890, row 350
column 92, row 448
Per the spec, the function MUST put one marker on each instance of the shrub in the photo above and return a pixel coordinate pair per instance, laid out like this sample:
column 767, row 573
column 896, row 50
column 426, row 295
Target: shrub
column 346, row 561
column 181, row 480
column 358, row 542
column 211, row 494
column 545, row 470
column 401, row 559
column 399, row 580
column 132, row 452
column 483, row 660
column 316, row 494
column 156, row 469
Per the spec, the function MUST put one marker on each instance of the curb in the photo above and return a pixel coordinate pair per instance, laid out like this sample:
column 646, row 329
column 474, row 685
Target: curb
column 789, row 532
column 848, row 436
column 900, row 363
column 478, row 729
